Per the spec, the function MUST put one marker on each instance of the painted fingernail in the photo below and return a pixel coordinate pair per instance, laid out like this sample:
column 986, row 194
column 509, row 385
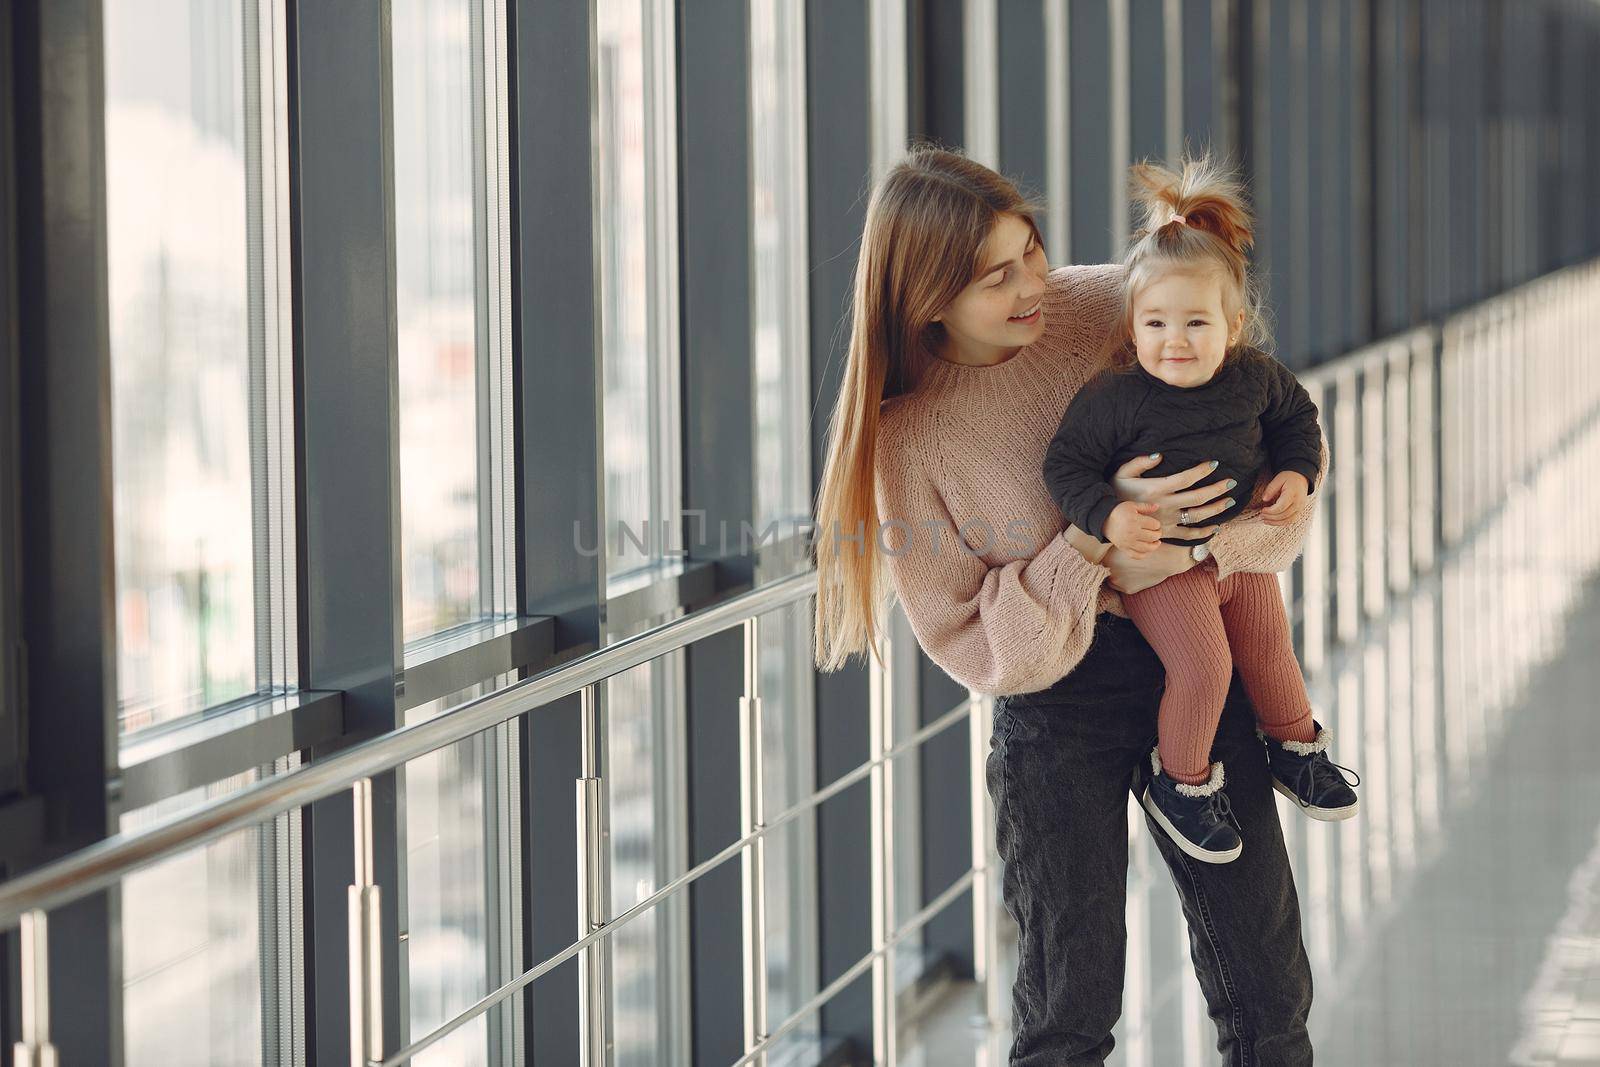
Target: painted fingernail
column 1231, row 483
column 1228, row 502
column 1215, row 464
column 1155, row 455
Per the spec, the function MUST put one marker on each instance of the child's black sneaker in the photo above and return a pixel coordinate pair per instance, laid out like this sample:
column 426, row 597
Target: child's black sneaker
column 1302, row 771
column 1198, row 818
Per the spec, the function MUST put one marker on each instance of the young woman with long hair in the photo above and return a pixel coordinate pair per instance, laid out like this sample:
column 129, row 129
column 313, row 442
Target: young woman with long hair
column 964, row 350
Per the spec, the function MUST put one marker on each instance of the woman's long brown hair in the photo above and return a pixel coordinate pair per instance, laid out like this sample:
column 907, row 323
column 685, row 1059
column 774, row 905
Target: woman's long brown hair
column 926, row 225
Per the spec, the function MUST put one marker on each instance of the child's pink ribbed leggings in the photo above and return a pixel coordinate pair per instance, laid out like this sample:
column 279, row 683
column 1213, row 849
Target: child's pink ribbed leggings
column 1201, row 628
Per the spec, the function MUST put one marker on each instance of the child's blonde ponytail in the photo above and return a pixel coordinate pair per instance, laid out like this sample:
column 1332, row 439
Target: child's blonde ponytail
column 1195, row 216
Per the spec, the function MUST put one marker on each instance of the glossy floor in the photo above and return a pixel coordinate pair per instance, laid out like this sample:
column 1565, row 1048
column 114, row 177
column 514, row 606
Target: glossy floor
column 1457, row 921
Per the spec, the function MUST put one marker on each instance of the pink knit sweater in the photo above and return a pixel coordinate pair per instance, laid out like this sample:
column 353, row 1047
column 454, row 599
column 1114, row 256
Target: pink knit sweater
column 962, row 456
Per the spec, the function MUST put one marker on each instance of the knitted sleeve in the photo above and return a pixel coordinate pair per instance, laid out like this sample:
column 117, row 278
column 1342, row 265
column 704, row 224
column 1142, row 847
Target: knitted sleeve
column 1246, row 543
column 1013, row 628
column 1289, row 424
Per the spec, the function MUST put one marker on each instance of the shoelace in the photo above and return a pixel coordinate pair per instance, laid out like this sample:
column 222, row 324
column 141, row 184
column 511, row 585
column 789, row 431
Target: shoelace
column 1219, row 805
column 1305, row 781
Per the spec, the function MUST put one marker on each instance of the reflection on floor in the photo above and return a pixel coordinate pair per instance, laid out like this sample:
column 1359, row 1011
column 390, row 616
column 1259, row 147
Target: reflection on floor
column 1457, row 921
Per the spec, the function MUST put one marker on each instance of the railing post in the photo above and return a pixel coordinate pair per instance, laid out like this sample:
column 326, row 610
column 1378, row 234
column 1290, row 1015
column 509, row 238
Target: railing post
column 366, row 940
column 594, row 970
column 35, row 1049
column 754, row 860
column 881, row 685
column 985, row 931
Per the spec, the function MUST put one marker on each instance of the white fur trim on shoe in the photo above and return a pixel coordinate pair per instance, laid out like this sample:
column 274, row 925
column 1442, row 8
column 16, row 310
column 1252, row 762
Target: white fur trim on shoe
column 1204, row 789
column 1302, row 748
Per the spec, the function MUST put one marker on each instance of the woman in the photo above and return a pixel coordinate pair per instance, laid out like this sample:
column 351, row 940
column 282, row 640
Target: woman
column 964, row 351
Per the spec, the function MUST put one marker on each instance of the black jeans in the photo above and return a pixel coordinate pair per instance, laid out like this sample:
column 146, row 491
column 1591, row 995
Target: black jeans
column 1060, row 766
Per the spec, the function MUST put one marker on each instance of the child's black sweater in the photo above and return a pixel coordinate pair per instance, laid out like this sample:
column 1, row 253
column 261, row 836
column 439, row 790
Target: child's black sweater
column 1253, row 415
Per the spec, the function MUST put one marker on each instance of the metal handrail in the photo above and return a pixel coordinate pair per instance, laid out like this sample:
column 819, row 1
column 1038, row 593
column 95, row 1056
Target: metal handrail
column 106, row 862
column 699, row 870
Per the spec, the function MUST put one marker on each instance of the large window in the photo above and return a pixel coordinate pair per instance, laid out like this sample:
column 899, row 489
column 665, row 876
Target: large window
column 196, row 195
column 778, row 273
column 637, row 202
column 452, row 293
column 783, row 483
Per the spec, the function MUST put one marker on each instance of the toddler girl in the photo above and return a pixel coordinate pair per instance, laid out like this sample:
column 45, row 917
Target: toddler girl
column 1188, row 379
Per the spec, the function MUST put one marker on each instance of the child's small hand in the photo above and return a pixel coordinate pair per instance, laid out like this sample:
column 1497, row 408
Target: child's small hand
column 1134, row 528
column 1286, row 495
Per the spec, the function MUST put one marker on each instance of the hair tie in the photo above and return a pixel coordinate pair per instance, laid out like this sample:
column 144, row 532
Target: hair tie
column 1179, row 219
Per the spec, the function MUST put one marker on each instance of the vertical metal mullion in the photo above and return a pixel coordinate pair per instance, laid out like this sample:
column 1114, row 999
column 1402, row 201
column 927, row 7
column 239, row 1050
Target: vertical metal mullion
column 1375, row 469
column 987, row 970
column 278, row 896
column 483, row 277
column 366, row 937
column 887, row 78
column 699, row 725
column 662, row 181
column 11, row 655
column 839, row 76
column 980, row 83
column 594, row 884
column 1058, row 130
column 66, row 537
column 1397, row 467
column 347, row 447
column 34, row 1049
column 674, row 980
column 1120, row 127
column 752, row 807
column 1088, row 71
column 1172, row 44
column 552, row 119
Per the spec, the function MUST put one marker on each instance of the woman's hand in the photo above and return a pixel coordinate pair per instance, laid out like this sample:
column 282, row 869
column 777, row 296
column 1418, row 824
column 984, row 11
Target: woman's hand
column 1129, row 575
column 1173, row 496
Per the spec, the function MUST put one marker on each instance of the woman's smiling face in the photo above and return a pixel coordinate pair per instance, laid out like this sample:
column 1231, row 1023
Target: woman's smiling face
column 1000, row 309
column 1180, row 329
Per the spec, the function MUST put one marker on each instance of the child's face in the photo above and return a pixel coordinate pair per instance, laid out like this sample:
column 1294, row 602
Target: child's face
column 999, row 311
column 1179, row 328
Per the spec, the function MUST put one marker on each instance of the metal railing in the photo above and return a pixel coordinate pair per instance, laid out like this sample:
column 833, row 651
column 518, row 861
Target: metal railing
column 1426, row 429
column 26, row 900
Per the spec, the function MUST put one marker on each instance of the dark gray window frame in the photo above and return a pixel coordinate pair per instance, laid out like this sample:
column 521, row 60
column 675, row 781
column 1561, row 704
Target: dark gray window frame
column 68, row 586
column 837, row 182
column 1089, row 74
column 555, row 330
column 342, row 255
column 10, row 448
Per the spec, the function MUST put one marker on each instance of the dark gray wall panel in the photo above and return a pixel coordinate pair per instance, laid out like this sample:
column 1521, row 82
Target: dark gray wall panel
column 1089, row 73
column 1022, row 96
column 838, row 172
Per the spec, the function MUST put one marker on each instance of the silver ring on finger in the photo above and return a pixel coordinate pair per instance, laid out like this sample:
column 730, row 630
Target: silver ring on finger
column 1183, row 517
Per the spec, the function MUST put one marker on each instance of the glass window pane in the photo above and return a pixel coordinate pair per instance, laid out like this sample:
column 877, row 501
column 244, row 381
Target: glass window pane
column 637, row 330
column 789, row 777
column 778, row 216
column 644, row 772
column 194, row 171
column 205, row 935
column 451, row 284
column 458, row 864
